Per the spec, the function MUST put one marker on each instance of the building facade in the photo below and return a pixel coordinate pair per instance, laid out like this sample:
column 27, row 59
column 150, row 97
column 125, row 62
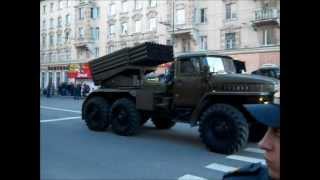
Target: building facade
column 56, row 41
column 74, row 32
column 246, row 30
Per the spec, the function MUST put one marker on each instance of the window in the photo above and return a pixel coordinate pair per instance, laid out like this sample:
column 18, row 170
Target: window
column 203, row 43
column 51, row 23
column 95, row 33
column 54, row 56
column 180, row 16
column 188, row 66
column 112, row 10
column 68, row 54
column 112, row 29
column 124, row 6
column 95, row 12
column 203, row 15
column 43, row 78
column 152, row 3
column 51, row 40
column 185, row 45
column 96, row 51
column 59, row 22
column 124, row 28
column 137, row 4
column 230, row 40
column 59, row 42
column 110, row 49
column 51, row 7
column 231, row 11
column 67, row 37
column 44, row 9
column 67, row 3
column 58, row 74
column 81, row 33
column 67, row 19
column 44, row 24
column 152, row 24
column 65, row 76
column 59, row 4
column 81, row 13
column 267, row 37
column 44, row 42
column 137, row 26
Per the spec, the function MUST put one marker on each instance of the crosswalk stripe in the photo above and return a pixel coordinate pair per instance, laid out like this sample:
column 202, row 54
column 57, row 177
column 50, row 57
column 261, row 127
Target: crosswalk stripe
column 220, row 167
column 191, row 177
column 60, row 119
column 246, row 159
column 59, row 109
column 255, row 150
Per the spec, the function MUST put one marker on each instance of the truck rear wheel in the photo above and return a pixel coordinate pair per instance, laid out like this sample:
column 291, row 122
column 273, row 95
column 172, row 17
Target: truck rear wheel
column 124, row 117
column 96, row 113
column 223, row 129
column 162, row 122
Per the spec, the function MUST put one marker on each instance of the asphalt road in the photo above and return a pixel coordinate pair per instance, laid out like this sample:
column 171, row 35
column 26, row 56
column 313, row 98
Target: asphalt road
column 70, row 151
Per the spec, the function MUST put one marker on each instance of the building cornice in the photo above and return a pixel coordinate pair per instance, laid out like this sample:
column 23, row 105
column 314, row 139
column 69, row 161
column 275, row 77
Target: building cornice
column 275, row 48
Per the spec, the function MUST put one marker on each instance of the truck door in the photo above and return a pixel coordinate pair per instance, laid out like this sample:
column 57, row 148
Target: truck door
column 188, row 84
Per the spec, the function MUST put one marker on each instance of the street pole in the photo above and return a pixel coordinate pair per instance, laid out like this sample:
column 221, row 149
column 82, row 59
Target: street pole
column 173, row 7
column 173, row 38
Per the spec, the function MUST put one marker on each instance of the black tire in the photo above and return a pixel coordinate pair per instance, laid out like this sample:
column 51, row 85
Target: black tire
column 96, row 114
column 257, row 131
column 223, row 129
column 162, row 122
column 125, row 118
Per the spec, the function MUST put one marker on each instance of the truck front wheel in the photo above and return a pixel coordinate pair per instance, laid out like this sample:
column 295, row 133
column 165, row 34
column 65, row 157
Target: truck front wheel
column 162, row 121
column 124, row 117
column 223, row 129
column 96, row 112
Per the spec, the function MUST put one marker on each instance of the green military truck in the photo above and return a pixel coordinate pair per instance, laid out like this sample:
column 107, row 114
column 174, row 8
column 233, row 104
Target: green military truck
column 202, row 89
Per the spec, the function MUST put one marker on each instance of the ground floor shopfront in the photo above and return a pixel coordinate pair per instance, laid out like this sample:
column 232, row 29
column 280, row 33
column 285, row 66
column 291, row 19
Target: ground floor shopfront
column 63, row 73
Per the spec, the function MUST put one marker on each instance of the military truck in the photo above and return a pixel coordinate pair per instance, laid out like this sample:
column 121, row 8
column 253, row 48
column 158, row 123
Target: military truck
column 201, row 89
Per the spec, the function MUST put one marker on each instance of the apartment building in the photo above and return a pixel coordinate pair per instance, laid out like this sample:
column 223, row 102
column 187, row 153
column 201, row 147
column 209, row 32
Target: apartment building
column 246, row 30
column 76, row 31
column 56, row 33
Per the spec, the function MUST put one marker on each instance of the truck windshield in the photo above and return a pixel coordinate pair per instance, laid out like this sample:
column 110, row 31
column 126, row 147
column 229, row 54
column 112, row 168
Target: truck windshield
column 219, row 64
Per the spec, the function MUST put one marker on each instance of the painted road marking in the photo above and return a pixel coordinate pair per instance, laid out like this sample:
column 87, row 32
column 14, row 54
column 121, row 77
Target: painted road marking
column 59, row 109
column 247, row 159
column 220, row 167
column 60, row 119
column 191, row 177
column 255, row 150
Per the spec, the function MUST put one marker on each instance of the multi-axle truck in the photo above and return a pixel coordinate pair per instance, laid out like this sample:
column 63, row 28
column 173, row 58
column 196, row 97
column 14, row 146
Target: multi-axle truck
column 202, row 89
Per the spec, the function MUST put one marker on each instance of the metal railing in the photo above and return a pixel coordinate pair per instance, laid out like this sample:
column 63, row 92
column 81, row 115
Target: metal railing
column 266, row 14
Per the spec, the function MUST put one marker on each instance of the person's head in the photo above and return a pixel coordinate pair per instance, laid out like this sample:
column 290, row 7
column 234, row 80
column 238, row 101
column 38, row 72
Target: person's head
column 269, row 115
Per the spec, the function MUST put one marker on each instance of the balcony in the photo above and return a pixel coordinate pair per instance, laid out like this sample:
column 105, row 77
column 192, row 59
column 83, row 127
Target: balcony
column 82, row 42
column 266, row 16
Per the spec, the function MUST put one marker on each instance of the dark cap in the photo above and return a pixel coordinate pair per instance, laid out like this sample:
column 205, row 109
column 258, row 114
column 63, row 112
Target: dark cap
column 267, row 114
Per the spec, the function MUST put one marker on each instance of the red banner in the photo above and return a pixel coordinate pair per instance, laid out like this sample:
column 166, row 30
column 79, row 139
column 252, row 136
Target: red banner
column 79, row 71
column 84, row 72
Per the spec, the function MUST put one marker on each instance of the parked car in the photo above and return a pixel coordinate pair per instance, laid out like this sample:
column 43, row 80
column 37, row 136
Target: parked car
column 269, row 70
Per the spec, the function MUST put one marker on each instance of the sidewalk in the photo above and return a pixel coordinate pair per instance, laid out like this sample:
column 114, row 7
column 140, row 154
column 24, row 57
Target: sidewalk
column 59, row 96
